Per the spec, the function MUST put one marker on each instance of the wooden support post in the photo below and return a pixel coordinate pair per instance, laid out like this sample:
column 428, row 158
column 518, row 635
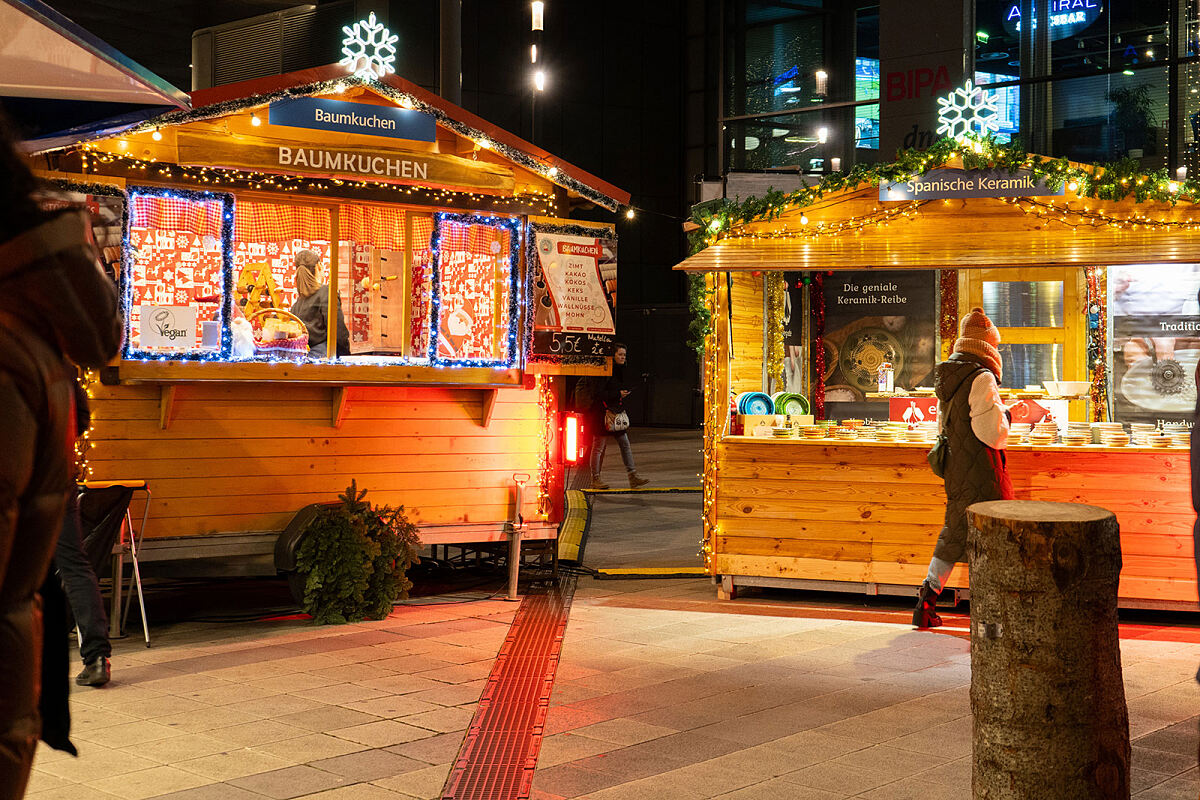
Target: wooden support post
column 166, row 404
column 340, row 396
column 1046, row 690
column 331, row 314
column 489, row 405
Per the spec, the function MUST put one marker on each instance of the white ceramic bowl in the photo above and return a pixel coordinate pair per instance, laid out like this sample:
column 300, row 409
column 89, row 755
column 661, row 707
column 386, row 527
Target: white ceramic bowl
column 1073, row 388
column 1052, row 387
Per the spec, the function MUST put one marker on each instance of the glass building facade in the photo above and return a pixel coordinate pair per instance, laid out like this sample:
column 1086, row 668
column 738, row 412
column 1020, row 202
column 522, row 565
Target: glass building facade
column 1116, row 79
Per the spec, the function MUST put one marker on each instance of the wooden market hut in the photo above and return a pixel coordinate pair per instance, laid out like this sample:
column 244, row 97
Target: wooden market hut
column 231, row 447
column 864, row 516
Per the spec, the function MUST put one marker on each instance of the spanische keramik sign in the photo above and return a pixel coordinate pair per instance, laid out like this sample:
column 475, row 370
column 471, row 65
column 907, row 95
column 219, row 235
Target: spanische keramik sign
column 340, row 116
column 939, row 184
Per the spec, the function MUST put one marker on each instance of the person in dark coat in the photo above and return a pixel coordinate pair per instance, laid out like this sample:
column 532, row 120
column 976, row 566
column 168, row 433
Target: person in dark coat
column 312, row 307
column 611, row 398
column 55, row 303
column 975, row 423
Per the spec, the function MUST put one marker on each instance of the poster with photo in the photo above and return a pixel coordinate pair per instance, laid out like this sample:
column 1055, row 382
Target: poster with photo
column 1155, row 339
column 574, row 293
column 873, row 316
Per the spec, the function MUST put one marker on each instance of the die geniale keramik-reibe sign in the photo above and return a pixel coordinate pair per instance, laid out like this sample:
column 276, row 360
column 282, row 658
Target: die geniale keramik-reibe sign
column 938, row 184
column 350, row 162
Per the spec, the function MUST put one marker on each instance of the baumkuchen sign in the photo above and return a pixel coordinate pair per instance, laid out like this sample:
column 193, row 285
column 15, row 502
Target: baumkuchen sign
column 343, row 161
column 940, row 184
column 323, row 114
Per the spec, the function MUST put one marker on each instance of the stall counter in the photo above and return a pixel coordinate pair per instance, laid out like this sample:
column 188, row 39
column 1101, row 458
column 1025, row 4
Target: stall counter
column 866, row 514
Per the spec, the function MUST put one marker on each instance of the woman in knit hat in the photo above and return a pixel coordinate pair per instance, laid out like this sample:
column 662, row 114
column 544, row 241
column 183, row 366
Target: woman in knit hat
column 975, row 423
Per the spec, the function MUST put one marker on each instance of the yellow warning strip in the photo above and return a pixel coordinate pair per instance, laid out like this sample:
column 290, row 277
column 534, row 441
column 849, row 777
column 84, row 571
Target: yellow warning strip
column 655, row 571
column 570, row 533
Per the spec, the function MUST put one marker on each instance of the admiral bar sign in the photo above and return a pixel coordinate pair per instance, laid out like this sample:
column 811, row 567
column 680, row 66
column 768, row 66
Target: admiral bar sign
column 941, row 184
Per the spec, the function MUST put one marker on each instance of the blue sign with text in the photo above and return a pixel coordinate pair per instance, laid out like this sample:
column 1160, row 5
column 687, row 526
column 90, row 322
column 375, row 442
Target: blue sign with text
column 938, row 184
column 343, row 117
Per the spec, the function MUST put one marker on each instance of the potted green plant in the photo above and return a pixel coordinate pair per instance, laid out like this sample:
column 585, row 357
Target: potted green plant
column 1133, row 116
column 353, row 559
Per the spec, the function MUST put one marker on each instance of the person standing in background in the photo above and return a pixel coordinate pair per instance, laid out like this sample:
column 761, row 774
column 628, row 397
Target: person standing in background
column 55, row 303
column 610, row 403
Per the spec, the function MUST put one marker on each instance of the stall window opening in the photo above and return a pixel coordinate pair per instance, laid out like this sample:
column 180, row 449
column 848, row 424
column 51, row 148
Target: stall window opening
column 175, row 278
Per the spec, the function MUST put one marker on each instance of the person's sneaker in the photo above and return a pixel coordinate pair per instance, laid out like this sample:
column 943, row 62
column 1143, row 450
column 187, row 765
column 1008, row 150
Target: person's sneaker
column 95, row 673
column 598, row 484
column 636, row 480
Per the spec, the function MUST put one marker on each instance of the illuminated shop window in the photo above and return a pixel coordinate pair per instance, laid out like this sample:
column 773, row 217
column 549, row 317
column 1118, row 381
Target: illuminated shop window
column 175, row 280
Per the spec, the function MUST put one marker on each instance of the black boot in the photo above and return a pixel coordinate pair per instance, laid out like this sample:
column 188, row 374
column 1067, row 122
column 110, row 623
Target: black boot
column 95, row 673
column 926, row 614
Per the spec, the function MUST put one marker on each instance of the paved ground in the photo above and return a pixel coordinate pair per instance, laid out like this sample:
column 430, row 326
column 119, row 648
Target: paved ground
column 662, row 692
column 648, row 529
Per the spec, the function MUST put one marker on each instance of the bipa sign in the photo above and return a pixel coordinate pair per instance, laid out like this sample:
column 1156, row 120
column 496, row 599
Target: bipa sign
column 914, row 83
column 1067, row 17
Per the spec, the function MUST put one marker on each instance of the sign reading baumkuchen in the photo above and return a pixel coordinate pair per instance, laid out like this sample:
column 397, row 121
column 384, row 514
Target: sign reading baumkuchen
column 323, row 114
column 347, row 162
column 938, row 184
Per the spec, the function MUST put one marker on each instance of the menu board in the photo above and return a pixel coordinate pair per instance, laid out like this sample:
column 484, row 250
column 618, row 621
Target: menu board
column 1155, row 341
column 574, row 275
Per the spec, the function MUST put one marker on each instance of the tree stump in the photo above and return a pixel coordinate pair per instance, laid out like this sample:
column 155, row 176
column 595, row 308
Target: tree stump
column 1046, row 690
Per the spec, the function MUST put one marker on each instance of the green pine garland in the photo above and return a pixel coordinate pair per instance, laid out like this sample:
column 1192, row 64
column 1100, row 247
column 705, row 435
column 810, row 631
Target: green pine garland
column 1113, row 181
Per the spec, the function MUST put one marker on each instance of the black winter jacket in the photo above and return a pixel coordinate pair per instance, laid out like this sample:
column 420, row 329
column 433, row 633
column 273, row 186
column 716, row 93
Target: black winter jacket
column 55, row 302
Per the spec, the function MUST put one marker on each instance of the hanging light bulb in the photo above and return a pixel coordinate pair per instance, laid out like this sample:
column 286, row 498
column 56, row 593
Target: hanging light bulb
column 157, row 135
column 629, row 213
column 255, row 120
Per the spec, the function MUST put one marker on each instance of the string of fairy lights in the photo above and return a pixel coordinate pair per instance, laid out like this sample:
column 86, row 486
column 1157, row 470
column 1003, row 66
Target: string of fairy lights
column 715, row 418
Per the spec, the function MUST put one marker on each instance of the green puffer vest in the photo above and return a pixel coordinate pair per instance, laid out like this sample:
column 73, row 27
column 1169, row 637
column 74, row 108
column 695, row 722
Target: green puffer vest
column 974, row 471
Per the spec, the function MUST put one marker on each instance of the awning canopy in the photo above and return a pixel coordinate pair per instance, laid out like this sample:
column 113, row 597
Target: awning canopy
column 854, row 230
column 52, row 69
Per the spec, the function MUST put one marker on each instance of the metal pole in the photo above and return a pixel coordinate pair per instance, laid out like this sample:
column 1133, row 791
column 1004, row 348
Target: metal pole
column 450, row 50
column 515, row 529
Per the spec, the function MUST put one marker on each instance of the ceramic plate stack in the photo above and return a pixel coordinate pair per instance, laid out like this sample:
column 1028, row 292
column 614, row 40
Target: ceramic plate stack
column 885, row 434
column 812, row 432
column 1181, row 439
column 1111, row 437
column 755, row 403
column 1019, row 432
column 845, row 434
column 790, row 404
column 783, row 433
column 929, row 429
column 1157, row 439
column 1080, row 429
column 1139, row 432
column 1044, row 433
column 1077, row 439
column 914, row 435
column 1099, row 429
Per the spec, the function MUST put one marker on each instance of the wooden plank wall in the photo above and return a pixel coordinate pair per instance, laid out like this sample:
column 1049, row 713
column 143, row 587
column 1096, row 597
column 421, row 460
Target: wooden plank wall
column 872, row 513
column 746, row 358
column 239, row 457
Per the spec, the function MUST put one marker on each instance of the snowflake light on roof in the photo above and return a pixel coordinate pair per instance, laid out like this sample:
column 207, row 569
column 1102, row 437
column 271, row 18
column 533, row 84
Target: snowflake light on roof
column 968, row 111
column 369, row 49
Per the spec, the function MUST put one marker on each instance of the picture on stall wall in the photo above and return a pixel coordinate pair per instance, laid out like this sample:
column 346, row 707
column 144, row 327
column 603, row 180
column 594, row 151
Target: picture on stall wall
column 872, row 317
column 1155, row 321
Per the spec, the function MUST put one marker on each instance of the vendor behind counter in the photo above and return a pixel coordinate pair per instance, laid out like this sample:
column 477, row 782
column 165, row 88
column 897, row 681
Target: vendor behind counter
column 312, row 307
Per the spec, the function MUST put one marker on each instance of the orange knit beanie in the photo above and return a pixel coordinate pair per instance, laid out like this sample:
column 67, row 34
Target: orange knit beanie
column 979, row 337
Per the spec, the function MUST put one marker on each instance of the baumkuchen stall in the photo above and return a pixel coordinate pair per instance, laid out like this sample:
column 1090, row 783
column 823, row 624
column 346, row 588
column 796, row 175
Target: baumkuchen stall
column 239, row 398
column 830, row 306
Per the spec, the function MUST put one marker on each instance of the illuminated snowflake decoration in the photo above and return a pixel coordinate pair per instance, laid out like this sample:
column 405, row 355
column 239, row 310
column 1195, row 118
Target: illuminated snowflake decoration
column 967, row 112
column 369, row 49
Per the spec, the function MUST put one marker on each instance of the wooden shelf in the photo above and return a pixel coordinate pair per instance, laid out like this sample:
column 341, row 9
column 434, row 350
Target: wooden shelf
column 329, row 374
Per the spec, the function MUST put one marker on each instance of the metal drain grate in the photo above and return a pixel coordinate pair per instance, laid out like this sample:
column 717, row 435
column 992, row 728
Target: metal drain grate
column 499, row 753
